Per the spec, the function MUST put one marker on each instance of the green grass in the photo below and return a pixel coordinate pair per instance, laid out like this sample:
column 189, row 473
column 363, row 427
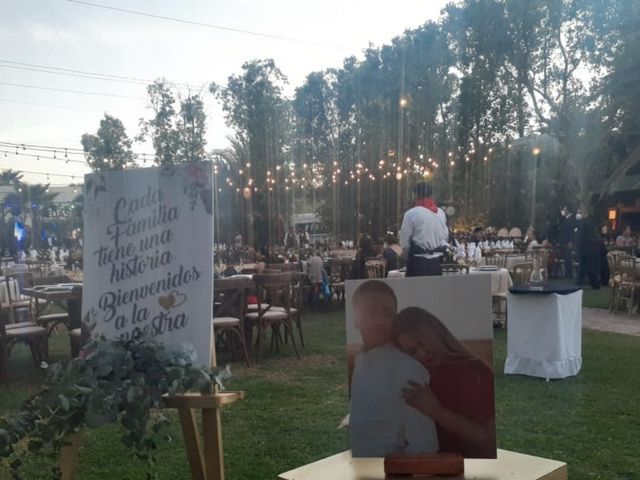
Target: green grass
column 292, row 410
column 595, row 298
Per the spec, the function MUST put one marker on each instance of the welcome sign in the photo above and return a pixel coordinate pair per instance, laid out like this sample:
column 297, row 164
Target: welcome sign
column 148, row 255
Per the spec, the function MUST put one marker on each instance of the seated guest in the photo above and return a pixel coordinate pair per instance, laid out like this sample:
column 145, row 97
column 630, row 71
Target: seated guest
column 533, row 240
column 625, row 240
column 365, row 252
column 392, row 251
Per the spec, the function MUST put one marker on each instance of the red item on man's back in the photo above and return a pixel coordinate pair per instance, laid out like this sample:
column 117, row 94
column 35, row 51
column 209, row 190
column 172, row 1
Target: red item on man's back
column 427, row 203
column 252, row 300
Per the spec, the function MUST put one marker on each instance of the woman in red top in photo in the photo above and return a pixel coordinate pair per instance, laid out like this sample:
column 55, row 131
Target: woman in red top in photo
column 460, row 395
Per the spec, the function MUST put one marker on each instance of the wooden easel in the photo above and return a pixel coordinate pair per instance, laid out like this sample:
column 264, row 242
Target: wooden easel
column 205, row 453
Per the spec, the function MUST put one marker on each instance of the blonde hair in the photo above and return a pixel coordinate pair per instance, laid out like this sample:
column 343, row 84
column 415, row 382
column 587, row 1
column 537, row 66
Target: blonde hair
column 381, row 290
column 419, row 323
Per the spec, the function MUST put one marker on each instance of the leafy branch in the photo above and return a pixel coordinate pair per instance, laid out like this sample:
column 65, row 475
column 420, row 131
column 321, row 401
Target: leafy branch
column 114, row 382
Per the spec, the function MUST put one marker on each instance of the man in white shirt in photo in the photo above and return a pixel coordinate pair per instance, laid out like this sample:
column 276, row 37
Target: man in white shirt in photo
column 424, row 234
column 381, row 422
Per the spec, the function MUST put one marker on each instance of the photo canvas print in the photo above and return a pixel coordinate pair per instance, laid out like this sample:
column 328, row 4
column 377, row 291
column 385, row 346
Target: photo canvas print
column 420, row 361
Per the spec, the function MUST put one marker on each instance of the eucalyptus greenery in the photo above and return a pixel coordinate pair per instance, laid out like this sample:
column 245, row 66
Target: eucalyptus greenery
column 112, row 382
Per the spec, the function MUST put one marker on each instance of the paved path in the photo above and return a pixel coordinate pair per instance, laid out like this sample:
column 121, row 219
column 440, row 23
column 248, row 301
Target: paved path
column 601, row 319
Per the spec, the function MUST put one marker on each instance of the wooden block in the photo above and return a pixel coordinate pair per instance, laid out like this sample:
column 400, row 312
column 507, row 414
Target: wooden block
column 432, row 464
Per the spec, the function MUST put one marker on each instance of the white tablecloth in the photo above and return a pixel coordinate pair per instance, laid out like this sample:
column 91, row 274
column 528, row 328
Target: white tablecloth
column 512, row 260
column 396, row 274
column 500, row 279
column 544, row 335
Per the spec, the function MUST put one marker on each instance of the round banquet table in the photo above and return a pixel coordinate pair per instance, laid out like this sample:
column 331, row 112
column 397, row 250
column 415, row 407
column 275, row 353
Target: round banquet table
column 500, row 279
column 544, row 336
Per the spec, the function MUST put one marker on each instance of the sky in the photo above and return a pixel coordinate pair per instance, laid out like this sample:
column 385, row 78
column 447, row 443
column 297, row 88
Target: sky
column 76, row 36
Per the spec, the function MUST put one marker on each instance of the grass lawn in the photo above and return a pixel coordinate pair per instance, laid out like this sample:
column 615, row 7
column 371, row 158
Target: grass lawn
column 293, row 408
column 595, row 298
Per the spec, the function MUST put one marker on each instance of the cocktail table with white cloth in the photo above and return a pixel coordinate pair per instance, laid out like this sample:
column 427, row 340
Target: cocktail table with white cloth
column 544, row 338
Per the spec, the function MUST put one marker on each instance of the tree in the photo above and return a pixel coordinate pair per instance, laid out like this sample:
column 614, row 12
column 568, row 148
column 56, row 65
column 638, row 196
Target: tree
column 31, row 199
column 177, row 136
column 256, row 109
column 7, row 178
column 109, row 148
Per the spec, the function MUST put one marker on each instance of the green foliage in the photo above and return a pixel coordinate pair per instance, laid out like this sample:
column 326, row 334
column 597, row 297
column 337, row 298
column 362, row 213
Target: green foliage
column 255, row 107
column 112, row 382
column 109, row 148
column 177, row 135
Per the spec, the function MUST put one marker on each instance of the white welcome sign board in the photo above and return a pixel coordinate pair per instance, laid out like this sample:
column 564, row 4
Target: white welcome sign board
column 148, row 255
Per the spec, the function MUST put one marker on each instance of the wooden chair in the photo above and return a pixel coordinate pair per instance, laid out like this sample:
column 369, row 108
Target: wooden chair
column 337, row 276
column 521, row 273
column 51, row 320
column 32, row 335
column 297, row 299
column 499, row 261
column 449, row 269
column 228, row 317
column 39, row 268
column 615, row 278
column 274, row 291
column 375, row 268
column 629, row 284
column 499, row 303
column 16, row 283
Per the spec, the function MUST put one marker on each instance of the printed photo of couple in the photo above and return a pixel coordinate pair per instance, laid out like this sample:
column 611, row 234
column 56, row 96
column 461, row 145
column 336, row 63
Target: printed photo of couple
column 420, row 366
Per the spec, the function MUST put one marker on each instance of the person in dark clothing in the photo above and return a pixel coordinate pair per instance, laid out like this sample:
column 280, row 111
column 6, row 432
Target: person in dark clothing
column 566, row 240
column 392, row 252
column 604, row 265
column 365, row 252
column 589, row 252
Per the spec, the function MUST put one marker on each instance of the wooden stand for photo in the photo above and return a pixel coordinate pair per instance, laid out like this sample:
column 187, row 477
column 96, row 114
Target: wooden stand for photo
column 434, row 464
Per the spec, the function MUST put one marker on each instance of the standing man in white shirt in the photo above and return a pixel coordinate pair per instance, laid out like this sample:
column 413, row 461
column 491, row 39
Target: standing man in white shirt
column 381, row 422
column 424, row 234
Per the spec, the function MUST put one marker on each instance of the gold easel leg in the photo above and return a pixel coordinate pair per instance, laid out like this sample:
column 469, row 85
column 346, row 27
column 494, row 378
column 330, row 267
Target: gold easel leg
column 192, row 443
column 213, row 454
column 69, row 457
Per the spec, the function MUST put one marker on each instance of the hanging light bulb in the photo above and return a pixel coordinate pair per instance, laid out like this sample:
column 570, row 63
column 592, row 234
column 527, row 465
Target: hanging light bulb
column 399, row 176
